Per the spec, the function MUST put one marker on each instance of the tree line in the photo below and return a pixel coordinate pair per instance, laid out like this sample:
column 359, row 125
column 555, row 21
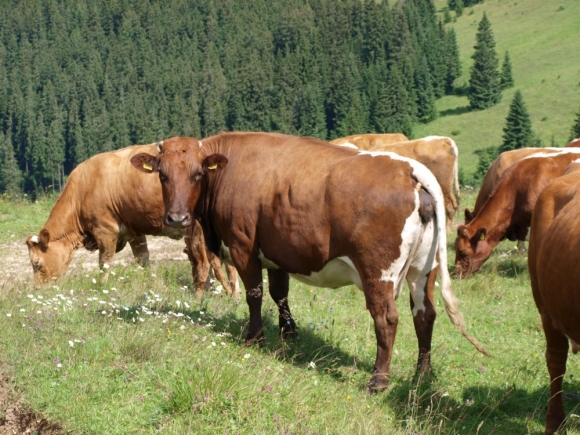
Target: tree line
column 78, row 78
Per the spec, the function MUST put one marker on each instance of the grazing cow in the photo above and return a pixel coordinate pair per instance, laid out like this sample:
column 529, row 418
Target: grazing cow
column 438, row 153
column 554, row 274
column 508, row 211
column 499, row 166
column 328, row 216
column 104, row 205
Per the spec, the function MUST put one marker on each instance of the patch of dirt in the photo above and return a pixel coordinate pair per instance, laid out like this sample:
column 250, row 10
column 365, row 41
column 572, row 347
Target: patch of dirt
column 15, row 420
column 15, row 263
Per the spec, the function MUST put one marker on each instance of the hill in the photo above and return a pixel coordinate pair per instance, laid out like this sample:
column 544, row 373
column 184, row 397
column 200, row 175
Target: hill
column 542, row 40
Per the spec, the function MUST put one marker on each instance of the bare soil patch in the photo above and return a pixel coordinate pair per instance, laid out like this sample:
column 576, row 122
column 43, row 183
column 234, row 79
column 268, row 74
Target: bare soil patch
column 15, row 263
column 16, row 420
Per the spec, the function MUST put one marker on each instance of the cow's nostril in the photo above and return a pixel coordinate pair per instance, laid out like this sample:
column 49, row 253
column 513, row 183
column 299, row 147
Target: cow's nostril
column 178, row 220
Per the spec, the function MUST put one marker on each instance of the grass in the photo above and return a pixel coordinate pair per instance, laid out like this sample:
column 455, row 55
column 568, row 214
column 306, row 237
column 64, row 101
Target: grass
column 541, row 37
column 139, row 354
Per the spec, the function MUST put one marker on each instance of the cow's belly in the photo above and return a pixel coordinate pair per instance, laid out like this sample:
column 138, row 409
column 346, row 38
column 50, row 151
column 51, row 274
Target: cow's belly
column 336, row 273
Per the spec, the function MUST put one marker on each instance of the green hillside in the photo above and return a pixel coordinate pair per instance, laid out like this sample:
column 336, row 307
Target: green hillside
column 542, row 38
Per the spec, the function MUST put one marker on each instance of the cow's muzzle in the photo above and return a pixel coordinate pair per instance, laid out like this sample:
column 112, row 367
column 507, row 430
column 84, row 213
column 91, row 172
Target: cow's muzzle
column 177, row 220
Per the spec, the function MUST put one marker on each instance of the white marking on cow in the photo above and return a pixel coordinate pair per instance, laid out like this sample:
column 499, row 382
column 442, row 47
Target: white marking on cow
column 429, row 182
column 556, row 151
column 34, row 239
column 338, row 272
column 349, row 145
column 267, row 263
column 409, row 240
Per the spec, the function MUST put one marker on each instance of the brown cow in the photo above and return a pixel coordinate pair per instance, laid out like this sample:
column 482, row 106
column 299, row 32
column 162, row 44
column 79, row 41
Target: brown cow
column 554, row 274
column 104, row 205
column 328, row 216
column 508, row 211
column 438, row 153
column 368, row 141
column 499, row 166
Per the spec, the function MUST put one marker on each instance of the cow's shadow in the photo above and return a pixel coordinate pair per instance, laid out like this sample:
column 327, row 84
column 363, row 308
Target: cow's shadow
column 418, row 404
column 420, row 407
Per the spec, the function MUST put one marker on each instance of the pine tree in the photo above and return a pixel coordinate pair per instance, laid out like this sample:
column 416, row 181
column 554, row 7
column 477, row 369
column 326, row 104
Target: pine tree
column 10, row 175
column 506, row 77
column 518, row 130
column 426, row 110
column 459, row 7
column 453, row 60
column 392, row 113
column 575, row 131
column 484, row 86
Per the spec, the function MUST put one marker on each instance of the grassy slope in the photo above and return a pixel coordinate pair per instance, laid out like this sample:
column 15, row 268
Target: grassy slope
column 543, row 45
column 184, row 368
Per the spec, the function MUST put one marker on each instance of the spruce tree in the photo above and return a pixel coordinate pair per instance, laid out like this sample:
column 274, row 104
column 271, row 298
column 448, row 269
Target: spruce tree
column 484, row 85
column 10, row 175
column 393, row 113
column 426, row 110
column 518, row 130
column 575, row 131
column 506, row 77
column 453, row 60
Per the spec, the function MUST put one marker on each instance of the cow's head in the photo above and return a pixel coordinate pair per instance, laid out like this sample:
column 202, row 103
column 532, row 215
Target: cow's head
column 49, row 258
column 182, row 167
column 471, row 250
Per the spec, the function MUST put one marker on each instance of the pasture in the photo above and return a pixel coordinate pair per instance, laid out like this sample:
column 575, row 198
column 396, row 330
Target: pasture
column 540, row 37
column 139, row 354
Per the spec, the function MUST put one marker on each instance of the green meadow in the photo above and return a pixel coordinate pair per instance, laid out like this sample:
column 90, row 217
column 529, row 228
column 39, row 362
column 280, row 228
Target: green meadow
column 542, row 38
column 138, row 354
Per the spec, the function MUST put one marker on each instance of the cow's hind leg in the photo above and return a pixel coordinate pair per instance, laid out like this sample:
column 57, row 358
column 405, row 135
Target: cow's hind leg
column 421, row 286
column 216, row 265
column 380, row 300
column 140, row 250
column 278, row 287
column 232, row 273
column 556, row 356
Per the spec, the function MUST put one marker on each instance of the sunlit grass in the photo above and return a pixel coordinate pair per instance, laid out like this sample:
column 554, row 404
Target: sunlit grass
column 139, row 354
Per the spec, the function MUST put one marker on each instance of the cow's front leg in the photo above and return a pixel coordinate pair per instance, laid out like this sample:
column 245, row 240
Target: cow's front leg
column 195, row 249
column 140, row 250
column 380, row 302
column 250, row 270
column 279, row 286
column 556, row 356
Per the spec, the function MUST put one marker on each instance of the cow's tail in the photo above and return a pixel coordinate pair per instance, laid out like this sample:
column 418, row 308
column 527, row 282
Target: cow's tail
column 427, row 179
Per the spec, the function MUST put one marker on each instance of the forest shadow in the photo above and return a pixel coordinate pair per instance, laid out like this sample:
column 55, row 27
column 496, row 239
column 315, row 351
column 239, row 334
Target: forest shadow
column 455, row 111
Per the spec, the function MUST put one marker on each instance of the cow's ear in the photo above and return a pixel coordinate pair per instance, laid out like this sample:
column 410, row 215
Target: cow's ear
column 41, row 240
column 468, row 215
column 214, row 162
column 145, row 162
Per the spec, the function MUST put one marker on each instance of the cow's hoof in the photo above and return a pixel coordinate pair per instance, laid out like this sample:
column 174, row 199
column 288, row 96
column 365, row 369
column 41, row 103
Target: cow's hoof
column 378, row 383
column 288, row 329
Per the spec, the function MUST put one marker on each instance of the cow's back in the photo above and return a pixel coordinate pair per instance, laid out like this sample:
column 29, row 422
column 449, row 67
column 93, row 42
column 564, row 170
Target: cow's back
column 371, row 141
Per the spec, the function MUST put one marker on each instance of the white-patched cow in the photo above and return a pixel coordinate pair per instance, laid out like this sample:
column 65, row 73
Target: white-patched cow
column 329, row 216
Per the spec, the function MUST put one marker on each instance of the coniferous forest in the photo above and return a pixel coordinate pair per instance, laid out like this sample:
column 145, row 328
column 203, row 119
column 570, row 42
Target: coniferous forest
column 78, row 78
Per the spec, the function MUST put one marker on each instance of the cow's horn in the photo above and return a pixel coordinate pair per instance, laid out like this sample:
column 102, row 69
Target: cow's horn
column 200, row 144
column 160, row 147
column 34, row 239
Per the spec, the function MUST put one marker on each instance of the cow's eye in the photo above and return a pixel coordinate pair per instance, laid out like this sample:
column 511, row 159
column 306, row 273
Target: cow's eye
column 196, row 177
column 162, row 177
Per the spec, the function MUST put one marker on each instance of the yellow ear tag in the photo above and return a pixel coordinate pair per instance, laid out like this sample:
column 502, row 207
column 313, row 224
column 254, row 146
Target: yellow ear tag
column 482, row 237
column 146, row 166
column 212, row 167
